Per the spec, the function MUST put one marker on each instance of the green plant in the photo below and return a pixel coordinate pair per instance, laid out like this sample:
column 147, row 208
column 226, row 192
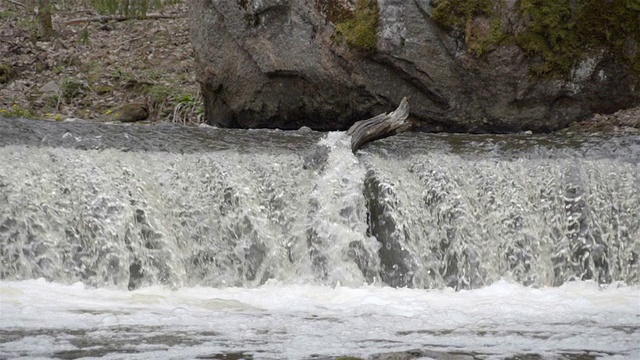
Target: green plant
column 157, row 93
column 16, row 111
column 189, row 108
column 94, row 72
column 152, row 75
column 6, row 14
column 58, row 69
column 39, row 67
column 56, row 117
column 29, row 24
column 6, row 73
column 123, row 76
column 360, row 30
column 459, row 14
column 52, row 101
column 83, row 36
column 72, row 88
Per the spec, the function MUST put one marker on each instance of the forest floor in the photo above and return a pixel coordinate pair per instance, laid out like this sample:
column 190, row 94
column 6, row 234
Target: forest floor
column 91, row 69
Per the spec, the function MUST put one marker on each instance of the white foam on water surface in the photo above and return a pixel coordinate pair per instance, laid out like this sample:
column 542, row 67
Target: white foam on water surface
column 278, row 321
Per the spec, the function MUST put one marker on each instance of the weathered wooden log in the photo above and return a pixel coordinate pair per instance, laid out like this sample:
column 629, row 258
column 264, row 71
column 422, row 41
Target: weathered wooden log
column 381, row 126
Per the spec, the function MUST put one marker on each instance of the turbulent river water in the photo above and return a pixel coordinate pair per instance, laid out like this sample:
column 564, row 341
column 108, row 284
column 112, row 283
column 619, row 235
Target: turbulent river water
column 125, row 241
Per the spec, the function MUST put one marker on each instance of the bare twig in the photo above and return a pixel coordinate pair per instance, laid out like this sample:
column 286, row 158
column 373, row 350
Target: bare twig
column 121, row 18
column 16, row 3
column 75, row 12
column 138, row 38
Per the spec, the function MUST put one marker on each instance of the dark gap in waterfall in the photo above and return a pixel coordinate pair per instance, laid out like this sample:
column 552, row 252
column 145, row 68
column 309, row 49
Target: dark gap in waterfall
column 135, row 275
column 396, row 265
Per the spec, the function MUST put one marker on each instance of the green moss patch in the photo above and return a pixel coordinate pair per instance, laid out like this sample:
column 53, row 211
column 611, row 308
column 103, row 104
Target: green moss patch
column 560, row 32
column 478, row 20
column 458, row 14
column 360, row 30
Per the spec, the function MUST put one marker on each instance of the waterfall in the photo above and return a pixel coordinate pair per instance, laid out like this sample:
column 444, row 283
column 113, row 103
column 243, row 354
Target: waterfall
column 124, row 207
column 450, row 221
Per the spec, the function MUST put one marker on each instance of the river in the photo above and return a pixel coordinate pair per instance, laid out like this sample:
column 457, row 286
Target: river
column 142, row 242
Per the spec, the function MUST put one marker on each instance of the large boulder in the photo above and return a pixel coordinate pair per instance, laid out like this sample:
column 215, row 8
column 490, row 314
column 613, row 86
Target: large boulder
column 292, row 63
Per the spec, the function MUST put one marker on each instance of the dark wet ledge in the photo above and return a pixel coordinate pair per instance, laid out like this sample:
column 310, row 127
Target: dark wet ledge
column 174, row 138
column 162, row 137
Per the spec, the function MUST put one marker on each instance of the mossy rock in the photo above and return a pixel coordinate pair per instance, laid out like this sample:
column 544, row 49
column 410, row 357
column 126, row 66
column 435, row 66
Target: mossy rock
column 563, row 32
column 478, row 21
column 335, row 11
column 131, row 112
column 559, row 32
column 457, row 14
column 6, row 73
column 360, row 31
column 102, row 89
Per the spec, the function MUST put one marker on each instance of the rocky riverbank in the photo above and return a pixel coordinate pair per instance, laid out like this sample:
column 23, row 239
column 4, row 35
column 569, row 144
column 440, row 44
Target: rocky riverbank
column 96, row 70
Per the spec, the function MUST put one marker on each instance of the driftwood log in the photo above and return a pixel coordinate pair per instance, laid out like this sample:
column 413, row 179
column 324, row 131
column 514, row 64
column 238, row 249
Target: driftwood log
column 381, row 126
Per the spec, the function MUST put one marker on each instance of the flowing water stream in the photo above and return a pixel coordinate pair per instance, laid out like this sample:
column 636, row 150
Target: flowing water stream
column 162, row 241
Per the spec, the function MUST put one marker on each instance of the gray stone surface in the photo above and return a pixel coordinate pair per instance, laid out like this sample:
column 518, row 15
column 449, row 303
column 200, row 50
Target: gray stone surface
column 277, row 63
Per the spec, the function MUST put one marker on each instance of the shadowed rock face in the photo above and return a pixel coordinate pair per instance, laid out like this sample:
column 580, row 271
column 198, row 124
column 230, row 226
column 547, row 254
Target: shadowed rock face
column 280, row 64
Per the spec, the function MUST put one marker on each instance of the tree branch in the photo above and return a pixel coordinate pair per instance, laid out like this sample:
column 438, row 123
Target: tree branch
column 16, row 3
column 105, row 18
column 381, row 126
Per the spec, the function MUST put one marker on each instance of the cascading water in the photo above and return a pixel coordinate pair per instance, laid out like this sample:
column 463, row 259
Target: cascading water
column 108, row 218
column 465, row 223
column 124, row 208
column 224, row 218
column 339, row 246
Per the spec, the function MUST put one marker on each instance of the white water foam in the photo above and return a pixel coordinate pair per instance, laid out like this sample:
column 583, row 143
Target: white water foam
column 276, row 321
column 339, row 218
